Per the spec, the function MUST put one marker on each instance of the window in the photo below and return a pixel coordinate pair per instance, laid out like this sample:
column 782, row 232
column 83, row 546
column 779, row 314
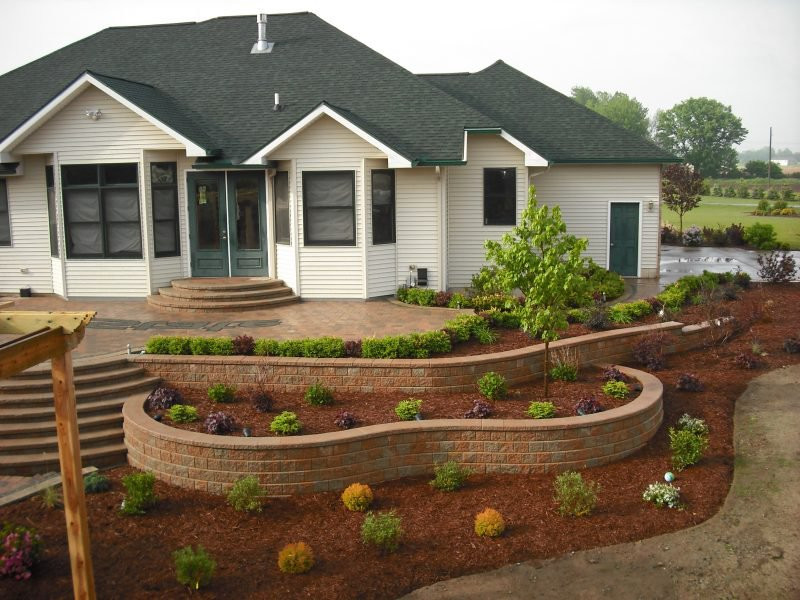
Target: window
column 51, row 210
column 280, row 189
column 101, row 211
column 383, row 206
column 329, row 208
column 164, row 196
column 499, row 196
column 5, row 223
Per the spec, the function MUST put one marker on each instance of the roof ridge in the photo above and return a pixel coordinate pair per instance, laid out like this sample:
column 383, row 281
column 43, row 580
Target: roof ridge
column 96, row 73
column 201, row 22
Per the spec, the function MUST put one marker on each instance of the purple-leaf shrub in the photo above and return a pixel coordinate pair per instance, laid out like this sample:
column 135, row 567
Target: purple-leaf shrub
column 219, row 423
column 480, row 410
column 745, row 360
column 352, row 348
column 612, row 373
column 345, row 420
column 162, row 398
column 589, row 405
column 243, row 344
column 21, row 548
column 689, row 383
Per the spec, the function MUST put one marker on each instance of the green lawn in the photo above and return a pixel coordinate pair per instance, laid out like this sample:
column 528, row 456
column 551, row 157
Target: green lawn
column 714, row 212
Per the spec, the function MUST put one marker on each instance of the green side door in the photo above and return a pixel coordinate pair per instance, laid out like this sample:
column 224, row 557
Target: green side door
column 208, row 231
column 248, row 222
column 624, row 239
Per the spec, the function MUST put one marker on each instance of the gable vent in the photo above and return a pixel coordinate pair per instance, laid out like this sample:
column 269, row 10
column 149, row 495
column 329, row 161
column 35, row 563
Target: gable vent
column 262, row 46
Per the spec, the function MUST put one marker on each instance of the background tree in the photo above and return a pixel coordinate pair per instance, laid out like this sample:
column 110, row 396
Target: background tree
column 681, row 187
column 544, row 262
column 756, row 168
column 703, row 132
column 618, row 107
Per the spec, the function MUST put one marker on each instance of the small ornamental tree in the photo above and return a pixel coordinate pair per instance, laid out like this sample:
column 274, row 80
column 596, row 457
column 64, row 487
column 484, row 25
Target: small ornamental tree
column 680, row 190
column 544, row 262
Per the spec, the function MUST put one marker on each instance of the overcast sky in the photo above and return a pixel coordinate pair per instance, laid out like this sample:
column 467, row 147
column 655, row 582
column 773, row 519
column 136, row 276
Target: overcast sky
column 744, row 53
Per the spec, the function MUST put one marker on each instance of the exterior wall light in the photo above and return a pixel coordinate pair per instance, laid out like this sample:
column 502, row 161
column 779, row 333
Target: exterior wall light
column 94, row 115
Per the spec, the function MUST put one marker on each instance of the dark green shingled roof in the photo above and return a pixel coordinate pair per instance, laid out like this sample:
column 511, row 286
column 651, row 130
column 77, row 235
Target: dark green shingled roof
column 201, row 80
column 550, row 123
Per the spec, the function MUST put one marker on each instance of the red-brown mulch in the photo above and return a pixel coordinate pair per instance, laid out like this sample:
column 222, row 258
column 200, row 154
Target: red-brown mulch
column 373, row 409
column 132, row 555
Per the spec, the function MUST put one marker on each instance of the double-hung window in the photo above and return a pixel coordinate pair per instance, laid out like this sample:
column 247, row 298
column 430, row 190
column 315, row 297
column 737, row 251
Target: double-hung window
column 5, row 222
column 164, row 196
column 383, row 229
column 101, row 211
column 499, row 196
column 280, row 188
column 329, row 216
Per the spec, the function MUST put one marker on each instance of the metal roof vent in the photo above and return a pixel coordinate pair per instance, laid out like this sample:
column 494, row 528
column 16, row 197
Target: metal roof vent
column 262, row 46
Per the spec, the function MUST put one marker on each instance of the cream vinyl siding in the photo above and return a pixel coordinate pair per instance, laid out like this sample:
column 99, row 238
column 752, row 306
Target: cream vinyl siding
column 584, row 193
column 285, row 263
column 58, row 279
column 117, row 136
column 466, row 231
column 329, row 271
column 381, row 259
column 418, row 224
column 30, row 232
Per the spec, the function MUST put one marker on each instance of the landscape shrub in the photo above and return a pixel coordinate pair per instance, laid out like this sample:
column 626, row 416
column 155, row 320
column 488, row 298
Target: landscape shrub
column 243, row 344
column 541, row 410
column 357, row 497
column 178, row 345
column 384, row 530
column 296, row 558
column 612, row 373
column 318, row 395
column 714, row 236
column 716, row 191
column 408, row 409
column 352, row 348
column 773, row 195
column 565, row 364
column 669, row 235
column 663, row 495
column 564, row 372
column 222, row 393
column 504, row 319
column 324, row 347
column 628, row 312
column 245, row 495
column 459, row 300
column 616, row 389
column 203, row 346
column 489, row 523
column 96, row 483
column 602, row 283
column 577, row 315
column 420, row 296
column 693, row 236
column 442, row 299
column 575, row 496
column 193, row 568
column 689, row 383
column 260, row 399
column 51, row 497
column 787, row 194
column 776, row 267
column 182, row 413
column 761, row 236
column 730, row 192
column 741, row 279
column 162, row 398
column 219, row 423
column 746, row 360
column 286, row 423
column 687, row 447
column 598, row 319
column 757, row 193
column 493, row 386
column 742, row 192
column 415, row 345
column 791, row 345
column 402, row 294
column 449, row 476
column 20, row 550
column 588, row 405
column 780, row 205
column 345, row 420
column 161, row 344
column 465, row 327
column 735, row 234
column 695, row 425
column 139, row 493
column 649, row 351
column 485, row 281
column 479, row 410
column 787, row 212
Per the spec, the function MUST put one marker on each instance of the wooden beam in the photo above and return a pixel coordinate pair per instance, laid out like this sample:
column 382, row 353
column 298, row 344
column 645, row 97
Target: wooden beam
column 69, row 454
column 26, row 351
column 22, row 321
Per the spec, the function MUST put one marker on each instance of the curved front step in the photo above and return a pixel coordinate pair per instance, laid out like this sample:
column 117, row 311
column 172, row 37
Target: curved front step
column 183, row 305
column 226, row 283
column 212, row 294
column 225, row 295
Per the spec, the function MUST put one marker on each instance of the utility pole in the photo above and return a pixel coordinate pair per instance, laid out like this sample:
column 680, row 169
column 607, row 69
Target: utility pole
column 769, row 162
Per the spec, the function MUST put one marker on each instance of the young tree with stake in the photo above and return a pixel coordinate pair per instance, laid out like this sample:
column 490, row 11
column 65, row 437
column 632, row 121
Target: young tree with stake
column 681, row 187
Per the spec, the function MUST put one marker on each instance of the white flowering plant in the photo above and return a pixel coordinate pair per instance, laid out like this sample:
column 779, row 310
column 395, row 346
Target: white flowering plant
column 663, row 495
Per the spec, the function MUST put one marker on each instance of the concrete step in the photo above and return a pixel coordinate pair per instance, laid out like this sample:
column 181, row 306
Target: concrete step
column 225, row 295
column 83, row 379
column 226, row 283
column 196, row 305
column 9, row 415
column 87, row 424
column 42, row 462
column 86, row 366
column 38, row 444
column 82, row 394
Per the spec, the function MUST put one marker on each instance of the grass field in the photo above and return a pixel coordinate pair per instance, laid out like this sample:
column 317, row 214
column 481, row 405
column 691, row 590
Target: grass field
column 714, row 212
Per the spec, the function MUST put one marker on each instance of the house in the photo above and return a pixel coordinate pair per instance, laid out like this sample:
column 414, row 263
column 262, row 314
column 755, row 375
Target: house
column 281, row 147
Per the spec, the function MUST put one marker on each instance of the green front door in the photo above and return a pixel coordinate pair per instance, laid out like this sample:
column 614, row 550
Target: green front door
column 227, row 224
column 624, row 239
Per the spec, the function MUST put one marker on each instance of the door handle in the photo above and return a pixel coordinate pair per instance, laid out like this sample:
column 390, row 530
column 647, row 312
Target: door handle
column 224, row 235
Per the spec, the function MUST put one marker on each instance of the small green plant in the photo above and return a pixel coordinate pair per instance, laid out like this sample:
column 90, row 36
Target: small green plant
column 541, row 410
column 140, row 493
column 565, row 364
column 450, row 476
column 286, row 423
column 489, row 523
column 493, row 386
column 616, row 389
column 564, row 373
column 628, row 312
column 687, row 447
column 193, row 568
column 694, row 424
column 575, row 496
column 408, row 409
column 95, row 483
column 51, row 497
column 318, row 395
column 384, row 530
column 245, row 495
column 762, row 236
column 357, row 497
column 663, row 495
column 296, row 558
column 182, row 413
column 220, row 392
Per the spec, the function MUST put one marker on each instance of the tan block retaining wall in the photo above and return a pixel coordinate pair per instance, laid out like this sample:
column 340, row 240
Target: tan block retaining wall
column 410, row 376
column 331, row 461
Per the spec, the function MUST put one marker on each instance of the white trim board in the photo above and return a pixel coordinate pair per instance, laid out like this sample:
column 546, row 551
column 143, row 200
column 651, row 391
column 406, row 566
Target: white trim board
column 639, row 243
column 396, row 160
column 69, row 94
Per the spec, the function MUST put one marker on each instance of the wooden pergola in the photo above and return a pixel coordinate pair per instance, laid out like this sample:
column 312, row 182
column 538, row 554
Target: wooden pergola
column 40, row 336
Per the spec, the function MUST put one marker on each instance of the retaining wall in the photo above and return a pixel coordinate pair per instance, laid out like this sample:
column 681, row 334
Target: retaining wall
column 331, row 461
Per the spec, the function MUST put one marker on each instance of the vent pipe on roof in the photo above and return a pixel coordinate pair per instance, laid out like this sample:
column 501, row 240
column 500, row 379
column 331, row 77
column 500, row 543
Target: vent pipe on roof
column 262, row 46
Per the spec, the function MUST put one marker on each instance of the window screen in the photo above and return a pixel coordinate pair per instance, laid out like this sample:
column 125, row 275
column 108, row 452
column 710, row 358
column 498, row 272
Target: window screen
column 164, row 198
column 499, row 196
column 383, row 231
column 51, row 210
column 329, row 208
column 281, row 195
column 5, row 222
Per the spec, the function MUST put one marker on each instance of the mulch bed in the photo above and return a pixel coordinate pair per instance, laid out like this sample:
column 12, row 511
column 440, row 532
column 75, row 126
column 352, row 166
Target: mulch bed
column 132, row 555
column 372, row 409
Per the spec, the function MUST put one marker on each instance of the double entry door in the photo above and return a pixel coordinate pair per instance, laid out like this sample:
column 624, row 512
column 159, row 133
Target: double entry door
column 227, row 224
